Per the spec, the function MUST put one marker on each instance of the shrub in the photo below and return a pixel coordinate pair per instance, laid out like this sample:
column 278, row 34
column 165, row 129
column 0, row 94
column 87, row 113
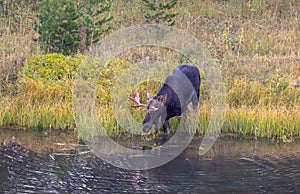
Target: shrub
column 48, row 78
column 51, row 67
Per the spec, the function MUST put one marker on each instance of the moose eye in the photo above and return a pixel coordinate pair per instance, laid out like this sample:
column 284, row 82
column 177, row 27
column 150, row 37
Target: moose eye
column 154, row 107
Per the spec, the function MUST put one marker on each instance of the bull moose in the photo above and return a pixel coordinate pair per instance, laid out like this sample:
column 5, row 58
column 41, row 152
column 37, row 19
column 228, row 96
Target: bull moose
column 178, row 90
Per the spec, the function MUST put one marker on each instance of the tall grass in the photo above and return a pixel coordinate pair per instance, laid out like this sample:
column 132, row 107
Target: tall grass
column 273, row 123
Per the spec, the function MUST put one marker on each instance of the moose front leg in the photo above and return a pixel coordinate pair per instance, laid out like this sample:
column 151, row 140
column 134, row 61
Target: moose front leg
column 166, row 127
column 156, row 127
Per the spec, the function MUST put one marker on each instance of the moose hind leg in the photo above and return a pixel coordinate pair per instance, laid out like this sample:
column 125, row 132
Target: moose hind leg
column 195, row 102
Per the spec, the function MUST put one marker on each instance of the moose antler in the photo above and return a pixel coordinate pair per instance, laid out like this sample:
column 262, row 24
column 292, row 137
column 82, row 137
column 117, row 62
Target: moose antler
column 136, row 99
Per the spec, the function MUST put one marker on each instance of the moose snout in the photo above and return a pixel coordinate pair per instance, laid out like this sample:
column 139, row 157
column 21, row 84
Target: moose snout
column 147, row 127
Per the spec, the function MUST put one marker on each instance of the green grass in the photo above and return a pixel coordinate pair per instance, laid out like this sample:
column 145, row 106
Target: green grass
column 273, row 123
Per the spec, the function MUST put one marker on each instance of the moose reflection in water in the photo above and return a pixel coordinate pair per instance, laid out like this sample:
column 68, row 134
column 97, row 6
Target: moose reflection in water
column 172, row 99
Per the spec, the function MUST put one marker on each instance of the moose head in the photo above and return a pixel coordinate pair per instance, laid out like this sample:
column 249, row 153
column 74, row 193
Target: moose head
column 155, row 109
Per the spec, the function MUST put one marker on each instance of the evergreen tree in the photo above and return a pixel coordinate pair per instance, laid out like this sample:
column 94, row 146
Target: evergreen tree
column 67, row 26
column 92, row 22
column 160, row 11
column 58, row 26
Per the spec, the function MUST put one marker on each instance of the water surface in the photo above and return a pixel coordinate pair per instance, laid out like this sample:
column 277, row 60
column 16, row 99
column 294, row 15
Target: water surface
column 40, row 162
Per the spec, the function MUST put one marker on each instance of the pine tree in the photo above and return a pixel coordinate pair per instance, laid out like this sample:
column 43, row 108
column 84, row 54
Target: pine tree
column 92, row 21
column 160, row 11
column 67, row 26
column 57, row 26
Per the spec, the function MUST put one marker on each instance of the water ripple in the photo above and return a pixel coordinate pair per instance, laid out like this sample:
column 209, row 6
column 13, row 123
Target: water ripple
column 24, row 171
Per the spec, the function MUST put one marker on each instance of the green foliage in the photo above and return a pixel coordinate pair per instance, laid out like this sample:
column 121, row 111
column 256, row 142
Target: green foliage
column 109, row 75
column 274, row 93
column 47, row 79
column 67, row 26
column 92, row 21
column 58, row 26
column 51, row 67
column 160, row 11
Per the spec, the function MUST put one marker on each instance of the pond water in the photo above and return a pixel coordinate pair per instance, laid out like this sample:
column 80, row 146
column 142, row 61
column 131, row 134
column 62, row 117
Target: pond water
column 39, row 162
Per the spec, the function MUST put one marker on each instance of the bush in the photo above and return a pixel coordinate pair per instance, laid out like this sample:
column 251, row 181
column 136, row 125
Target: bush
column 51, row 67
column 48, row 78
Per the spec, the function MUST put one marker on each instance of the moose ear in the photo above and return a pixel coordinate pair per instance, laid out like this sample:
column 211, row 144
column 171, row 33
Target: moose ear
column 163, row 98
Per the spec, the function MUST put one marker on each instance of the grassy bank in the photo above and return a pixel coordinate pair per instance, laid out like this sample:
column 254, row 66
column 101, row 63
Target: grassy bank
column 275, row 123
column 254, row 108
column 254, row 42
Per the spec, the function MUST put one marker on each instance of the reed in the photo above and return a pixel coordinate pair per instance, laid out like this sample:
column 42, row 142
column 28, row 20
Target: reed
column 43, row 116
column 275, row 123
